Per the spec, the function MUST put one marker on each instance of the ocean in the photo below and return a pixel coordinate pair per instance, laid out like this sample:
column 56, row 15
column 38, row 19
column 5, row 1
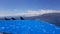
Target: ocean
column 28, row 27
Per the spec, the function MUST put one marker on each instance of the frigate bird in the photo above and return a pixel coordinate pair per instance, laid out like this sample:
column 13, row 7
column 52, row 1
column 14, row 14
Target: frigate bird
column 21, row 18
column 13, row 18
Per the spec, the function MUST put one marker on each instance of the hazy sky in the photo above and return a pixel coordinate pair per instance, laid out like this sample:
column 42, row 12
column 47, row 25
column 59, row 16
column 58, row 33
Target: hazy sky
column 17, row 6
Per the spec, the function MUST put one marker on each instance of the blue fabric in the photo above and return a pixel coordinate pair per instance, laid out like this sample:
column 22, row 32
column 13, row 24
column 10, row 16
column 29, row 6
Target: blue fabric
column 28, row 27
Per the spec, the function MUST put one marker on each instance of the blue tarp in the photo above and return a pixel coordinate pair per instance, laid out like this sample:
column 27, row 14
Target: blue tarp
column 28, row 27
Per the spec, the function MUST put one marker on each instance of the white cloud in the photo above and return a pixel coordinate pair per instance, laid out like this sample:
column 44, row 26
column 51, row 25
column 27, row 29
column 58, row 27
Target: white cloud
column 31, row 13
column 38, row 12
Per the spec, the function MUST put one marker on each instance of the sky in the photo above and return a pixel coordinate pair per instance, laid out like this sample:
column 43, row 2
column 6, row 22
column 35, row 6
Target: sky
column 12, row 7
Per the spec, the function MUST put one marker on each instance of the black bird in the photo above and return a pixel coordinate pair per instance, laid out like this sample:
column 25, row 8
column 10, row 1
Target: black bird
column 6, row 18
column 13, row 18
column 21, row 18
